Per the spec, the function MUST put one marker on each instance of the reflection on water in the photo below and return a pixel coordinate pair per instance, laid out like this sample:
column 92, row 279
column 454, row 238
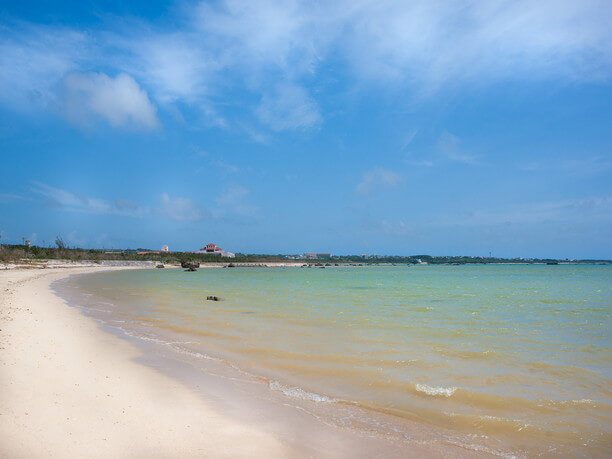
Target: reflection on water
column 520, row 353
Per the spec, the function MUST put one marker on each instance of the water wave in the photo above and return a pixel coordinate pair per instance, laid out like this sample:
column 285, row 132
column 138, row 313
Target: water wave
column 435, row 390
column 296, row 392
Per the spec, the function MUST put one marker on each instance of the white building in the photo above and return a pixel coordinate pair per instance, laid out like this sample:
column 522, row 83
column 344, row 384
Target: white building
column 212, row 249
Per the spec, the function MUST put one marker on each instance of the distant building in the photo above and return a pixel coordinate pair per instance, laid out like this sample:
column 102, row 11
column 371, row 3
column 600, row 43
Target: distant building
column 313, row 255
column 165, row 248
column 213, row 249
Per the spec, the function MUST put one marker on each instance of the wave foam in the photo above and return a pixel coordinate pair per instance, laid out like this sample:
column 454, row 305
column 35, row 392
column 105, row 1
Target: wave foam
column 181, row 350
column 296, row 392
column 429, row 390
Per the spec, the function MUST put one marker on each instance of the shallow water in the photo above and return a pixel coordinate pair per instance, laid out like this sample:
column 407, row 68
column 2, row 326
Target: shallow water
column 518, row 356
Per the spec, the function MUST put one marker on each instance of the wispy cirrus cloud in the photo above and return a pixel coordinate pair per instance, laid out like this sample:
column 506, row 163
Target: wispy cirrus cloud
column 449, row 146
column 233, row 202
column 67, row 200
column 377, row 178
column 215, row 49
column 181, row 209
column 11, row 197
column 171, row 208
column 288, row 107
column 34, row 59
column 446, row 149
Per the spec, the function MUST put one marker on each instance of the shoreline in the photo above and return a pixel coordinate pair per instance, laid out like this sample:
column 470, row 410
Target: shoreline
column 82, row 391
column 145, row 264
column 71, row 390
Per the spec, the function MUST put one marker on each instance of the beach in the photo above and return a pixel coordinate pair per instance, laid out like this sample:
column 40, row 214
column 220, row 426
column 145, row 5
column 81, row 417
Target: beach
column 70, row 389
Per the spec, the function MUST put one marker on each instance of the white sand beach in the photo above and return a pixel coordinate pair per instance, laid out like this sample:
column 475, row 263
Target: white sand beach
column 67, row 389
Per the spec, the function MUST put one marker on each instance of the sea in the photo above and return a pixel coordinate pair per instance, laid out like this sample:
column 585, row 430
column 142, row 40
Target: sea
column 503, row 359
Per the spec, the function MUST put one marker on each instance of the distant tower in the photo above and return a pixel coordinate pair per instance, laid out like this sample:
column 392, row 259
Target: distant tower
column 27, row 243
column 165, row 248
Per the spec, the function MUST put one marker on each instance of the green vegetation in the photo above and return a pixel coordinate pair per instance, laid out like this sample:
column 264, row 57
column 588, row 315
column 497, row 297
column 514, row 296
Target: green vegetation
column 456, row 260
column 20, row 253
column 23, row 253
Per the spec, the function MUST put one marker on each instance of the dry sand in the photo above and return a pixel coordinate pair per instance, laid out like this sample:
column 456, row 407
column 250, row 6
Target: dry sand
column 67, row 389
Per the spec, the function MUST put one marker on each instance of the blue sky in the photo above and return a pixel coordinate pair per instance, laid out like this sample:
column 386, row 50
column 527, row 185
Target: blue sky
column 388, row 127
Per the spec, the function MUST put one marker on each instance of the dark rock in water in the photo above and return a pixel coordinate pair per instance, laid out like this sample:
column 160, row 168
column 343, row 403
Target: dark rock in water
column 190, row 264
column 212, row 298
column 160, row 266
column 190, row 269
column 231, row 265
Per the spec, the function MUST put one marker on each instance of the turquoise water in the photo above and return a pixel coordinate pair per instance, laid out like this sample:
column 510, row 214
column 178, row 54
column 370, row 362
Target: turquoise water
column 517, row 353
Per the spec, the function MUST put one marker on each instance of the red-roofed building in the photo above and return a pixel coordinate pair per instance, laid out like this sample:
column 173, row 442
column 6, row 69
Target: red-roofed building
column 213, row 249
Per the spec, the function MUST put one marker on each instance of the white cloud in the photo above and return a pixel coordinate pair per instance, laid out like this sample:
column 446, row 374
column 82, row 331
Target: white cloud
column 177, row 209
column 449, row 146
column 120, row 101
column 233, row 202
column 255, row 34
column 67, row 200
column 33, row 59
column 11, row 197
column 437, row 42
column 233, row 195
column 289, row 107
column 228, row 167
column 216, row 50
column 377, row 178
column 176, row 66
column 180, row 209
column 421, row 163
column 430, row 43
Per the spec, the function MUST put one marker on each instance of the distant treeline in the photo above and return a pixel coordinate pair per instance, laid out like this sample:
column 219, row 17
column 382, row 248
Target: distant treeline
column 17, row 253
column 20, row 253
column 457, row 260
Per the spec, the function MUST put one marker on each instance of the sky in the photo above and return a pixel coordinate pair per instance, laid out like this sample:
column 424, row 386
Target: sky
column 353, row 127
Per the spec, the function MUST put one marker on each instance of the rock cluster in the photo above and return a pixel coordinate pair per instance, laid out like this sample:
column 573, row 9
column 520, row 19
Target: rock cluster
column 190, row 265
